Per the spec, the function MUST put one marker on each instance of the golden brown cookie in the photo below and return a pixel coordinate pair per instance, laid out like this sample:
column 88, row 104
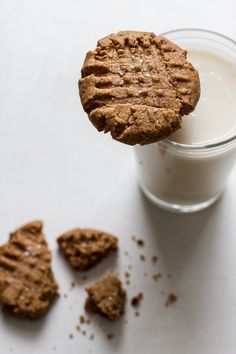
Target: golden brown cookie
column 27, row 284
column 106, row 297
column 137, row 86
column 84, row 248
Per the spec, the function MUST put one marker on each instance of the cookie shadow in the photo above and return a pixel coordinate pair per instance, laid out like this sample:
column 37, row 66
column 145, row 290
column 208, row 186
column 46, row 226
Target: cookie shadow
column 22, row 326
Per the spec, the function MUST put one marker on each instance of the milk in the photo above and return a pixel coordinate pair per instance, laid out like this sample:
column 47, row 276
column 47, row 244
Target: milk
column 190, row 177
column 215, row 115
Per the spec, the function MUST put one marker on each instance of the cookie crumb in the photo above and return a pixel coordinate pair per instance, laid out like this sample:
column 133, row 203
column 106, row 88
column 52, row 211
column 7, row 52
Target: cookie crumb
column 142, row 257
column 84, row 277
column 127, row 282
column 140, row 242
column 134, row 238
column 78, row 328
column 92, row 336
column 145, row 274
column 126, row 253
column 82, row 319
column 137, row 313
column 72, row 285
column 136, row 300
column 110, row 336
column 157, row 276
column 171, row 299
column 84, row 333
column 65, row 296
column 71, row 336
column 127, row 274
column 154, row 259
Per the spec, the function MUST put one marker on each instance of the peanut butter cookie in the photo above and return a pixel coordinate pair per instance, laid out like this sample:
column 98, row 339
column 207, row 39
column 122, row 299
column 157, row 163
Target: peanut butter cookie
column 137, row 86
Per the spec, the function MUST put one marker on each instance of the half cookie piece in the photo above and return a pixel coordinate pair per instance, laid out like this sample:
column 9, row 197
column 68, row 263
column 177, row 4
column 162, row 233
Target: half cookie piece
column 106, row 297
column 84, row 248
column 27, row 284
column 137, row 86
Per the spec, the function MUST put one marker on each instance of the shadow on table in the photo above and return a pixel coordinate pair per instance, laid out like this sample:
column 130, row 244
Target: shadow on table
column 24, row 327
column 178, row 235
column 110, row 332
column 188, row 246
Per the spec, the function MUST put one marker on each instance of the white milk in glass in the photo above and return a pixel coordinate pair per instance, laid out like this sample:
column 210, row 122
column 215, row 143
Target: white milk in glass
column 214, row 118
column 191, row 177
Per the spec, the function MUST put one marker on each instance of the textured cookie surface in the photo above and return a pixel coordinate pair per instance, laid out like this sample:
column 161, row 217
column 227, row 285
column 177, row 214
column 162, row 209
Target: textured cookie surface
column 84, row 248
column 106, row 297
column 27, row 284
column 137, row 86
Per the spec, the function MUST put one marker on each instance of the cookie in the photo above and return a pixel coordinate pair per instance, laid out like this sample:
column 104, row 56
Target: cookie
column 84, row 248
column 137, row 86
column 27, row 284
column 106, row 297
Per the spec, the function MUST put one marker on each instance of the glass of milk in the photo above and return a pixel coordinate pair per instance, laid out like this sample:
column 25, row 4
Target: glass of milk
column 188, row 171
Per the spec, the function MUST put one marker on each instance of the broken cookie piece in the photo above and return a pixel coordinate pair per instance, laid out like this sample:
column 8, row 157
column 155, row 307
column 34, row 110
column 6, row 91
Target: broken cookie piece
column 27, row 284
column 137, row 86
column 84, row 248
column 106, row 297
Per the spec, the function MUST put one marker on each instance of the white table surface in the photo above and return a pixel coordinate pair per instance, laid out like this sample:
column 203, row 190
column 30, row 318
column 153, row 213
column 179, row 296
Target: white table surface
column 56, row 167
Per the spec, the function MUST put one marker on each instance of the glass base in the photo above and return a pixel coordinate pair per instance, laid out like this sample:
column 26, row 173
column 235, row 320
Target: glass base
column 179, row 208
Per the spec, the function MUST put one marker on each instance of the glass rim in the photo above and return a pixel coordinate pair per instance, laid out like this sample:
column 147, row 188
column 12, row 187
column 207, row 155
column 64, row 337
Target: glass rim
column 200, row 146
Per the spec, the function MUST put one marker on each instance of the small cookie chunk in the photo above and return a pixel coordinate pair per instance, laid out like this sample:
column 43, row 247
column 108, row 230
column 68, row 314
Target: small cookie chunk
column 27, row 284
column 84, row 248
column 137, row 86
column 106, row 297
column 136, row 300
column 171, row 299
